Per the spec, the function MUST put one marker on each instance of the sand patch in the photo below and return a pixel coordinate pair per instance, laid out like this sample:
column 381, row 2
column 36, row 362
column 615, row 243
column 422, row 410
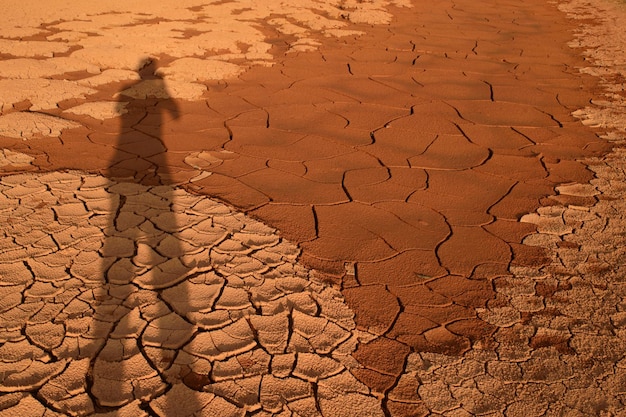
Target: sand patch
column 25, row 68
column 101, row 109
column 195, row 69
column 170, row 89
column 42, row 93
column 110, row 76
column 27, row 125
column 14, row 159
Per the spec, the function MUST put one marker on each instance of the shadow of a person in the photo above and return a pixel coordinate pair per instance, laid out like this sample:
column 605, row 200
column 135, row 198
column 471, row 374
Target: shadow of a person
column 142, row 332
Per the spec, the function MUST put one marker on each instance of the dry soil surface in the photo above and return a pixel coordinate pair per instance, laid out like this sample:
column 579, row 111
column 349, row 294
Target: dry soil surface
column 345, row 208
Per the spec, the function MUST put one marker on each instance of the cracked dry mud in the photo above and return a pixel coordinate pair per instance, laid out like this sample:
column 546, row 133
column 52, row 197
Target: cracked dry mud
column 117, row 289
column 352, row 208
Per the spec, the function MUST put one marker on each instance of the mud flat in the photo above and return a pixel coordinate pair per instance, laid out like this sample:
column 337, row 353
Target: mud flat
column 358, row 208
column 560, row 338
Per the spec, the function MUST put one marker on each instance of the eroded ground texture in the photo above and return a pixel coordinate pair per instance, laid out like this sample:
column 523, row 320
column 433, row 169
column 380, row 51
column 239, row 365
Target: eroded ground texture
column 338, row 208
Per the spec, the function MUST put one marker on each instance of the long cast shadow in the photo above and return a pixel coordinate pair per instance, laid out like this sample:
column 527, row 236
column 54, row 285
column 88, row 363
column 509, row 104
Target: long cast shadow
column 142, row 332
